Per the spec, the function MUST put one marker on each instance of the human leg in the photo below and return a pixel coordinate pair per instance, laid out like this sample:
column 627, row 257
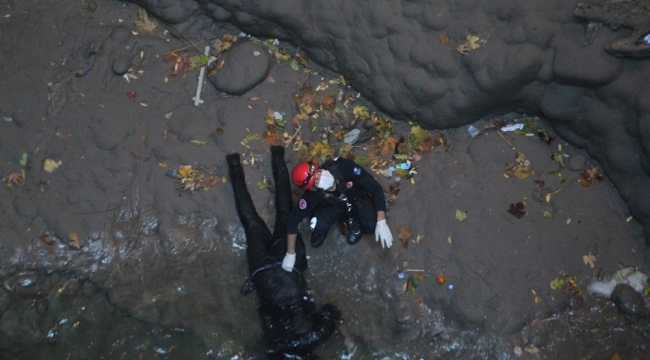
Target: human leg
column 367, row 215
column 258, row 236
column 323, row 218
column 283, row 205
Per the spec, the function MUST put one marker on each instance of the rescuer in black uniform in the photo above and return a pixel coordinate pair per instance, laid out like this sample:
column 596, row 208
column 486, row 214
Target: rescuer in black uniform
column 338, row 190
column 291, row 325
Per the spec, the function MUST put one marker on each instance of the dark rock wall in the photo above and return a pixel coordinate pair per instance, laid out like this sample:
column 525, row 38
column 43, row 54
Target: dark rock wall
column 534, row 57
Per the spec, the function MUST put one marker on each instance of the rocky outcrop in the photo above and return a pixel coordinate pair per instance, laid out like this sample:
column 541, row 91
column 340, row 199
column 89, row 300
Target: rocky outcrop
column 533, row 57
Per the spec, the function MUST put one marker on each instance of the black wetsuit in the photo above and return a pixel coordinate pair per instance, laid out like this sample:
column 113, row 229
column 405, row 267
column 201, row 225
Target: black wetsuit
column 290, row 321
column 358, row 186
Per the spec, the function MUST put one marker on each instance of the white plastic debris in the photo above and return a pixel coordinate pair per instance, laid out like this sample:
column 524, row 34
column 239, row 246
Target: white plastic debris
column 513, row 127
column 197, row 97
column 351, row 137
column 472, row 131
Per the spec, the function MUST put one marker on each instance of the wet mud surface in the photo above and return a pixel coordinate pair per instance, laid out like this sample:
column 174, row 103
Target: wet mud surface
column 103, row 257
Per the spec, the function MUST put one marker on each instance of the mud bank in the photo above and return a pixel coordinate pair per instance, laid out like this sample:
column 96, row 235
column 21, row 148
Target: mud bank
column 169, row 263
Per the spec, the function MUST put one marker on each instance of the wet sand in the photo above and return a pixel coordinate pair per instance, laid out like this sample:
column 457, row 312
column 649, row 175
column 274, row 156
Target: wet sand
column 174, row 260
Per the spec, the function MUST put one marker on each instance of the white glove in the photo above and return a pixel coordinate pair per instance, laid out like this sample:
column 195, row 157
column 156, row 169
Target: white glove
column 288, row 262
column 383, row 232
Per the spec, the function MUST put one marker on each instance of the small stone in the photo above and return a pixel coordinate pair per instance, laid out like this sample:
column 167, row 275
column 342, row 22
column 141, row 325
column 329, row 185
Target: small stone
column 121, row 65
column 627, row 300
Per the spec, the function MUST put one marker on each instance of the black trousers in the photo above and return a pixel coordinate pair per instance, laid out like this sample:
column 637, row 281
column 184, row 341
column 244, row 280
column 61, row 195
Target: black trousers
column 263, row 247
column 328, row 215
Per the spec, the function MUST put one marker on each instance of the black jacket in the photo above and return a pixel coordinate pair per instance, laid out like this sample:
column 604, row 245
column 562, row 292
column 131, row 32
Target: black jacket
column 290, row 322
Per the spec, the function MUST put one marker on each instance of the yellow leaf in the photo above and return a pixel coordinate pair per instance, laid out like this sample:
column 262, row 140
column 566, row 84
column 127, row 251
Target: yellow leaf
column 50, row 165
column 548, row 197
column 163, row 165
column 185, row 171
column 73, row 240
column 264, row 183
column 449, row 239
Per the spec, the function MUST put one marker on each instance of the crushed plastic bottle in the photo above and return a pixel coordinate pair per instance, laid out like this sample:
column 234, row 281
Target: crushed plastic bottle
column 172, row 173
column 472, row 130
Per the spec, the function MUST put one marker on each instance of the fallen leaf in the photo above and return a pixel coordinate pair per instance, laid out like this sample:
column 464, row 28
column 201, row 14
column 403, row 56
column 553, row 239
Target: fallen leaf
column 50, row 165
column 23, row 160
column 47, row 238
column 460, row 215
column 131, row 95
column 198, row 142
column 145, row 23
column 418, row 238
column 449, row 239
column 557, row 283
column 250, row 136
column 518, row 209
column 404, row 233
column 589, row 175
column 444, row 39
column 589, row 259
column 73, row 240
column 14, row 178
column 414, row 281
column 264, row 184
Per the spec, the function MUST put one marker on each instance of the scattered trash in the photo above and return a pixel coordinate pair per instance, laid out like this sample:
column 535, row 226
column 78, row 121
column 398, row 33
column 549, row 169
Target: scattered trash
column 450, row 287
column 197, row 97
column 400, row 275
column 473, row 131
column 513, row 127
column 520, row 168
column 630, row 276
column 191, row 180
column 352, row 136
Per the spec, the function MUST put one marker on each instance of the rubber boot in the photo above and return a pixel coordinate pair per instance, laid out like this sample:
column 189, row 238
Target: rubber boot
column 317, row 239
column 354, row 233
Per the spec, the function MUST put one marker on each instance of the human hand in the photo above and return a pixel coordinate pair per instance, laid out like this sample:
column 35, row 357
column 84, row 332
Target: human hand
column 383, row 232
column 288, row 262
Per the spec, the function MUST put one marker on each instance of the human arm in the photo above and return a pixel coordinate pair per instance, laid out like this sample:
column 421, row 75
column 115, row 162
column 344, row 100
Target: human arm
column 290, row 257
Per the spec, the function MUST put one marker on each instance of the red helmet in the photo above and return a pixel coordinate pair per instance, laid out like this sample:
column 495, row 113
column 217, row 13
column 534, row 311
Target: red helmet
column 303, row 175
